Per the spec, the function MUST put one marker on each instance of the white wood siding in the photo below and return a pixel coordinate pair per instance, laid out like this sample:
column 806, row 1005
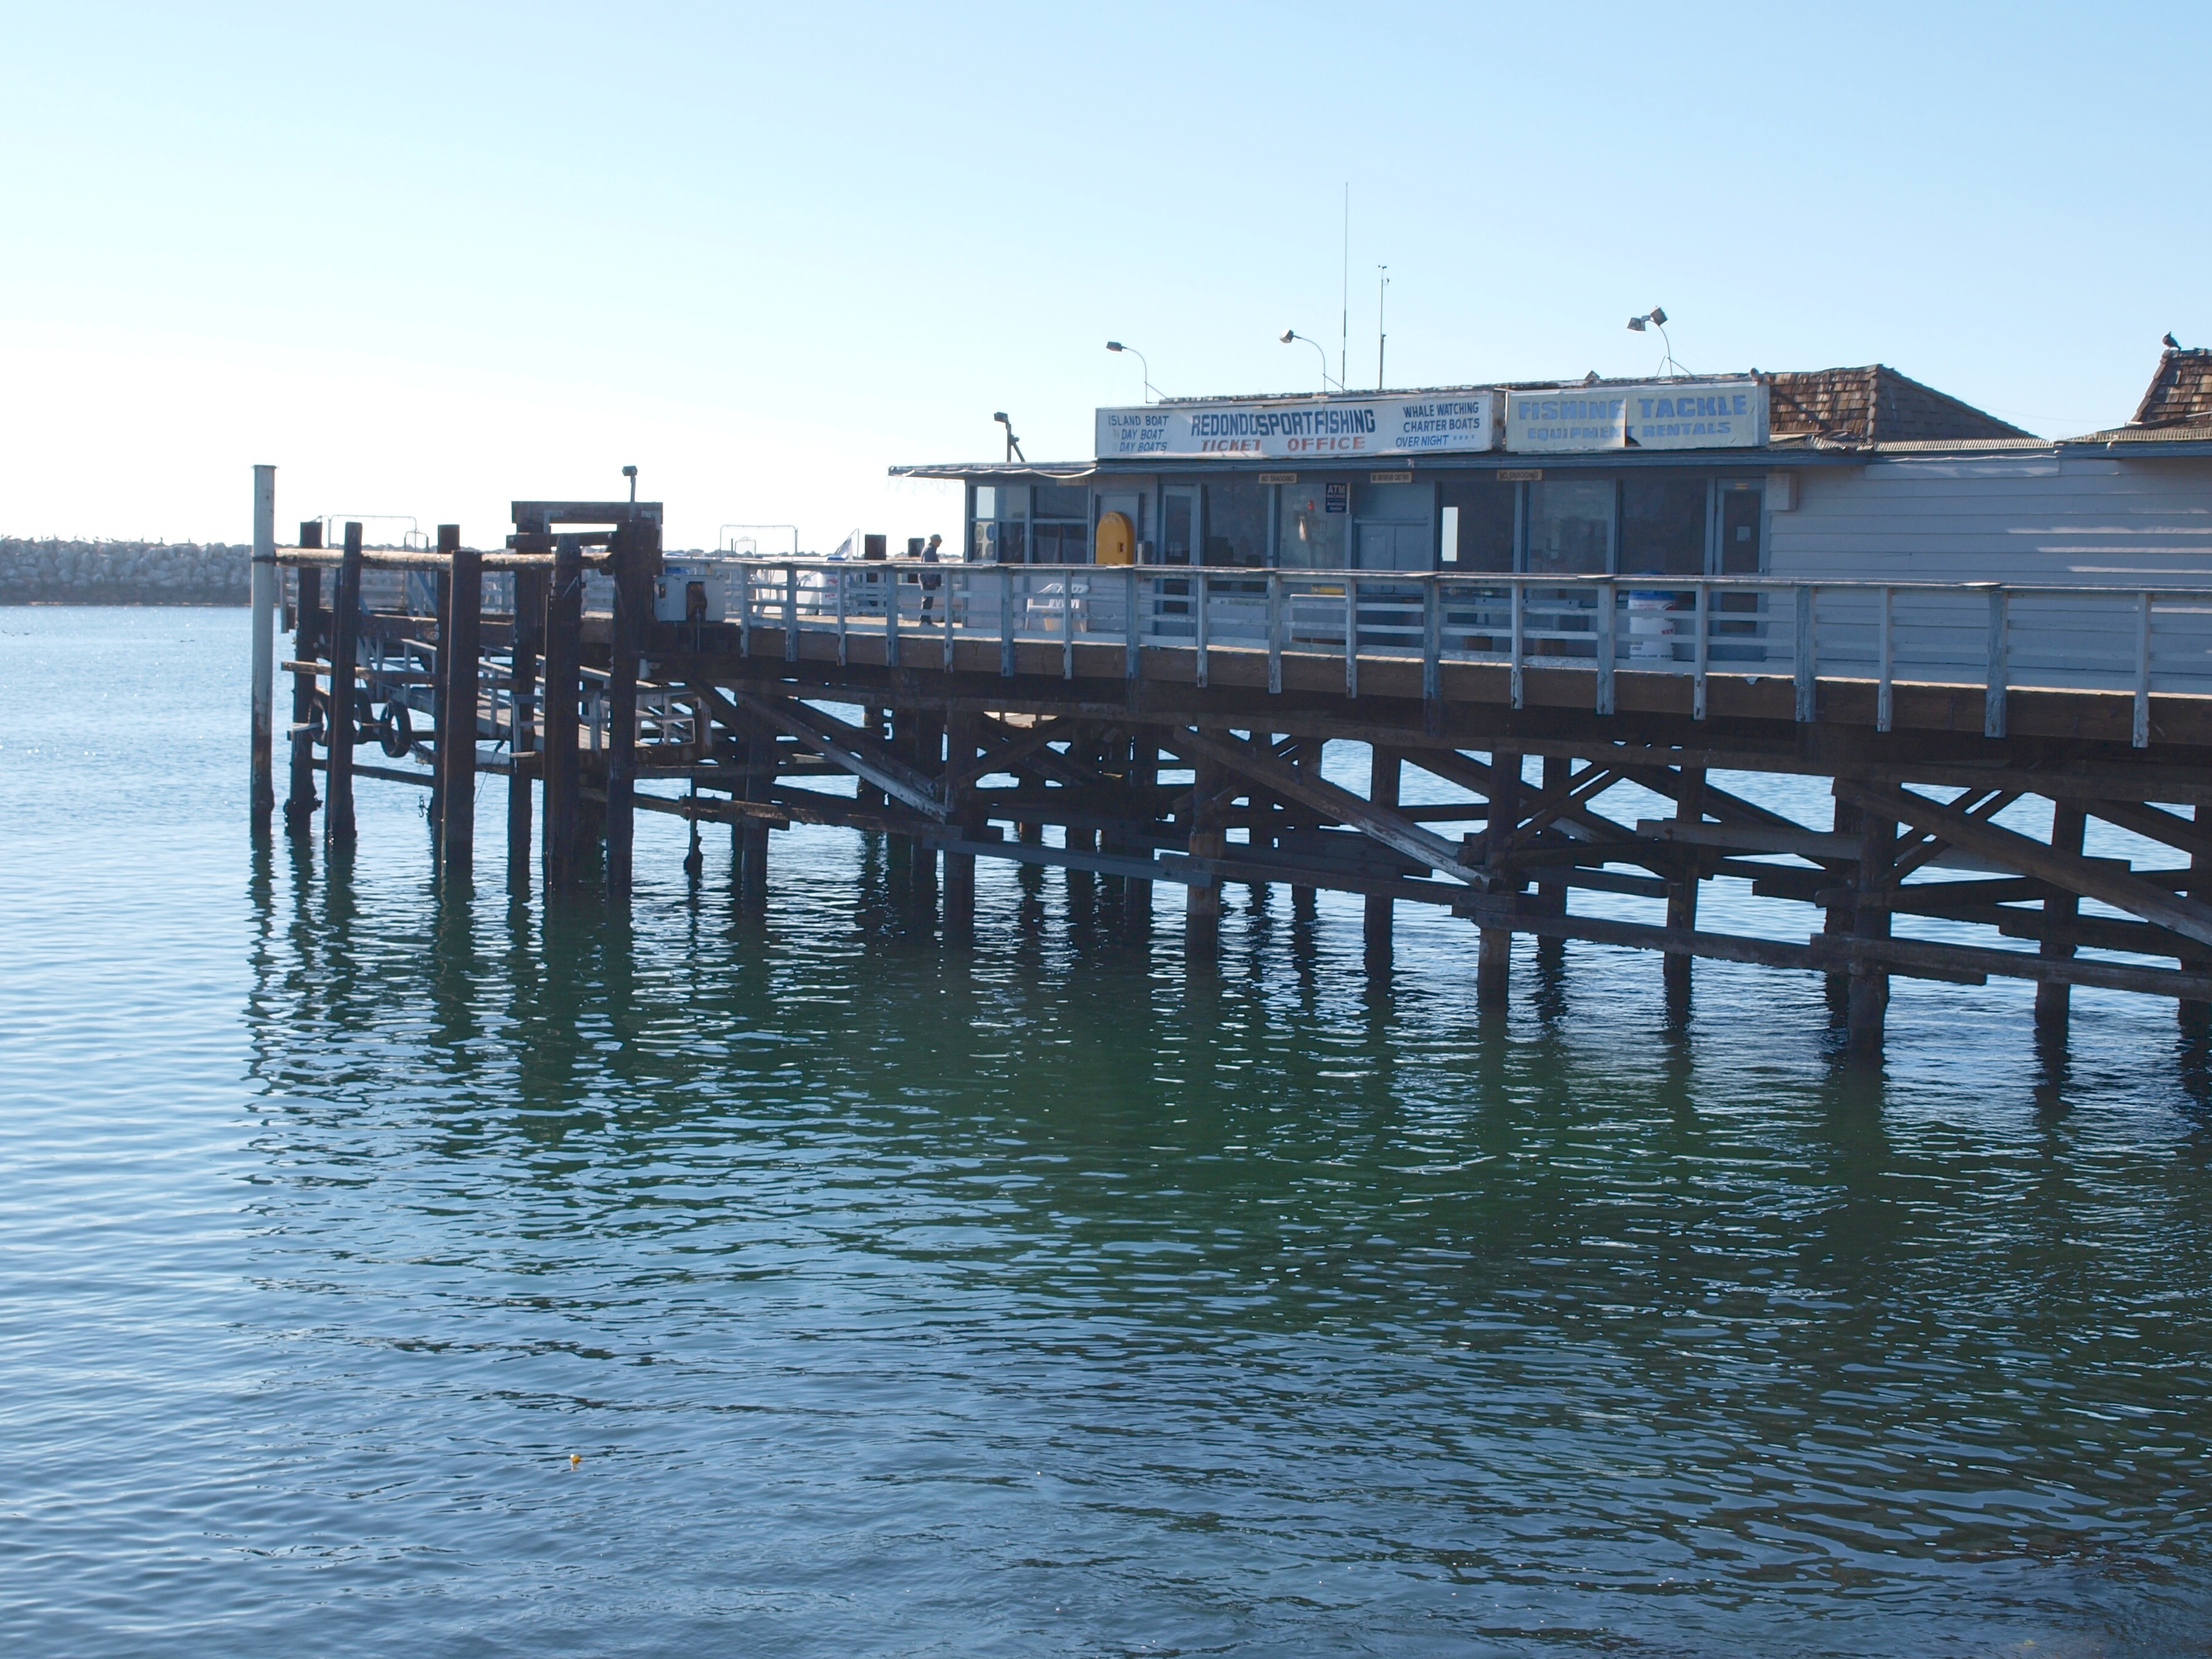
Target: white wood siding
column 2033, row 518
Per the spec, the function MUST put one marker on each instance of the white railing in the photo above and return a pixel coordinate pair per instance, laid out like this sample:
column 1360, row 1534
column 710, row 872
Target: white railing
column 1999, row 636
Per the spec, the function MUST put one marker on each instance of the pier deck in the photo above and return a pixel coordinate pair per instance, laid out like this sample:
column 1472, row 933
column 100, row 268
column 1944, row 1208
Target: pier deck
column 1171, row 724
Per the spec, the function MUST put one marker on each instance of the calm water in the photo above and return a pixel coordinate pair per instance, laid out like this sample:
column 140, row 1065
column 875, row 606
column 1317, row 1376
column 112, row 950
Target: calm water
column 1030, row 1301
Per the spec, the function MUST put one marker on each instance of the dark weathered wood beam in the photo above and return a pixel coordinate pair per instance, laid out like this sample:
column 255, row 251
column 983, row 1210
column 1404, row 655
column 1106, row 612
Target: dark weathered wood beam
column 852, row 748
column 2091, row 878
column 1294, row 783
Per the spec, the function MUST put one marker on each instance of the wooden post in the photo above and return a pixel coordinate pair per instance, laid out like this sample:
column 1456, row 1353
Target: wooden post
column 863, row 792
column 522, row 754
column 2054, row 1003
column 900, row 851
column 564, row 627
column 345, row 647
column 1305, row 901
column 757, row 748
column 442, row 604
column 1869, row 991
column 963, row 735
column 928, row 758
column 1143, row 773
column 636, row 556
column 263, row 597
column 1494, row 967
column 307, row 646
column 459, row 647
column 1202, row 916
column 1552, row 896
column 2196, row 1016
column 1682, row 890
column 1383, row 773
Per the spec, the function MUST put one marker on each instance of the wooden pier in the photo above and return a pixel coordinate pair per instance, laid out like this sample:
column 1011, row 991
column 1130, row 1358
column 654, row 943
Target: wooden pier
column 1170, row 724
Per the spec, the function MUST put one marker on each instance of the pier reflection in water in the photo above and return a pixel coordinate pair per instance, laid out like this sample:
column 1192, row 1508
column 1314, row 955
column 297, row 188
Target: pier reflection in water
column 1035, row 1298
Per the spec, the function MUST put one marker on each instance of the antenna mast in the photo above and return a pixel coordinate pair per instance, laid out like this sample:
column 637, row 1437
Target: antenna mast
column 1344, row 339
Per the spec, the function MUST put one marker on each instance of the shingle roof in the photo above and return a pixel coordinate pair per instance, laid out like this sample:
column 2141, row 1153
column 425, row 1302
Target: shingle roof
column 1874, row 404
column 2180, row 394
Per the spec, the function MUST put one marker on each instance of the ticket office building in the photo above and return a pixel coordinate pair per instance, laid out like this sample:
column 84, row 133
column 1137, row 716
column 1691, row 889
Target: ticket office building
column 1684, row 516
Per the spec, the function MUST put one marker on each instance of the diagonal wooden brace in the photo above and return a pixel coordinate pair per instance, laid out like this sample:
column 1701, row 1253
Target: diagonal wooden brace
column 852, row 748
column 1020, row 743
column 1250, row 760
column 2091, row 878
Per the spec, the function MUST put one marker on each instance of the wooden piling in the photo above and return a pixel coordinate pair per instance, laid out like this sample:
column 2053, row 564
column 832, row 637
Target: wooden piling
column 2054, row 1002
column 306, row 647
column 442, row 604
column 522, row 740
column 458, row 651
column 1143, row 773
column 1202, row 911
column 1493, row 962
column 1868, row 1007
column 1383, row 771
column 757, row 748
column 263, row 597
column 963, row 734
column 564, row 628
column 1682, row 888
column 345, row 649
column 636, row 560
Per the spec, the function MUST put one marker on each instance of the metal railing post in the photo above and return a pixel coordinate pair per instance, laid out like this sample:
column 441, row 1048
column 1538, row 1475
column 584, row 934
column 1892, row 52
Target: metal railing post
column 1804, row 661
column 1199, row 619
column 1274, row 633
column 842, row 572
column 1513, row 672
column 1132, row 630
column 1997, row 659
column 791, row 613
column 2140, row 737
column 1608, row 599
column 1351, row 634
column 946, row 588
column 1067, row 623
column 744, row 610
column 1701, row 654
column 891, row 617
column 1006, row 622
column 1883, row 699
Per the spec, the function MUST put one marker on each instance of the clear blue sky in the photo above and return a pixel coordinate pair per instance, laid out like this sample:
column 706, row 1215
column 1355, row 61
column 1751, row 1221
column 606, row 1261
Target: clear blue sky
column 428, row 259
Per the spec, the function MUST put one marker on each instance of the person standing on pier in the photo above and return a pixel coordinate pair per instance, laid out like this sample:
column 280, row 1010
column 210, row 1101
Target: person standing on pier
column 931, row 580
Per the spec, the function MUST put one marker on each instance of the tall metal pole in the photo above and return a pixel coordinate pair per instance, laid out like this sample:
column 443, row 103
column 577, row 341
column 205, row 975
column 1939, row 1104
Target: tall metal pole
column 1344, row 339
column 263, row 597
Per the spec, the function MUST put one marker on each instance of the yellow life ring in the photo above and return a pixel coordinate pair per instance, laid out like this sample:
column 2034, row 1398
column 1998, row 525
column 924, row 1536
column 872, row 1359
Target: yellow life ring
column 1117, row 539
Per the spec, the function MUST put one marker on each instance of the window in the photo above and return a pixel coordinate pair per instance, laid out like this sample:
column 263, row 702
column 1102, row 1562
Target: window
column 1663, row 526
column 1310, row 533
column 1570, row 526
column 1236, row 522
column 1477, row 524
column 1059, row 525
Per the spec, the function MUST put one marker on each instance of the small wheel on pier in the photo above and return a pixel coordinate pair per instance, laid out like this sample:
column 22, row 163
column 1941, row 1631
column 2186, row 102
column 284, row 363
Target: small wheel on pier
column 364, row 719
column 395, row 729
column 318, row 719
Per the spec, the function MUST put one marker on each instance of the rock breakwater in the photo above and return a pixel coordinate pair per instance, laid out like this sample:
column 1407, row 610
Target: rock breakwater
column 55, row 572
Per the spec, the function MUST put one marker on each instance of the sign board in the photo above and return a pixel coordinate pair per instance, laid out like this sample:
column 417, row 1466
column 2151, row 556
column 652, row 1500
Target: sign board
column 1706, row 415
column 1592, row 417
column 1318, row 428
column 1663, row 415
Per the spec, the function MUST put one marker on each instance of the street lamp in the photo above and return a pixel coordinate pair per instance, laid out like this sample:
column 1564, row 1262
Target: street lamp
column 1656, row 317
column 1151, row 390
column 1013, row 444
column 1291, row 334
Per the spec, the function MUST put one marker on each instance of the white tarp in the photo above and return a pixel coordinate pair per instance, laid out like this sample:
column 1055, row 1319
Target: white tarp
column 1310, row 429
